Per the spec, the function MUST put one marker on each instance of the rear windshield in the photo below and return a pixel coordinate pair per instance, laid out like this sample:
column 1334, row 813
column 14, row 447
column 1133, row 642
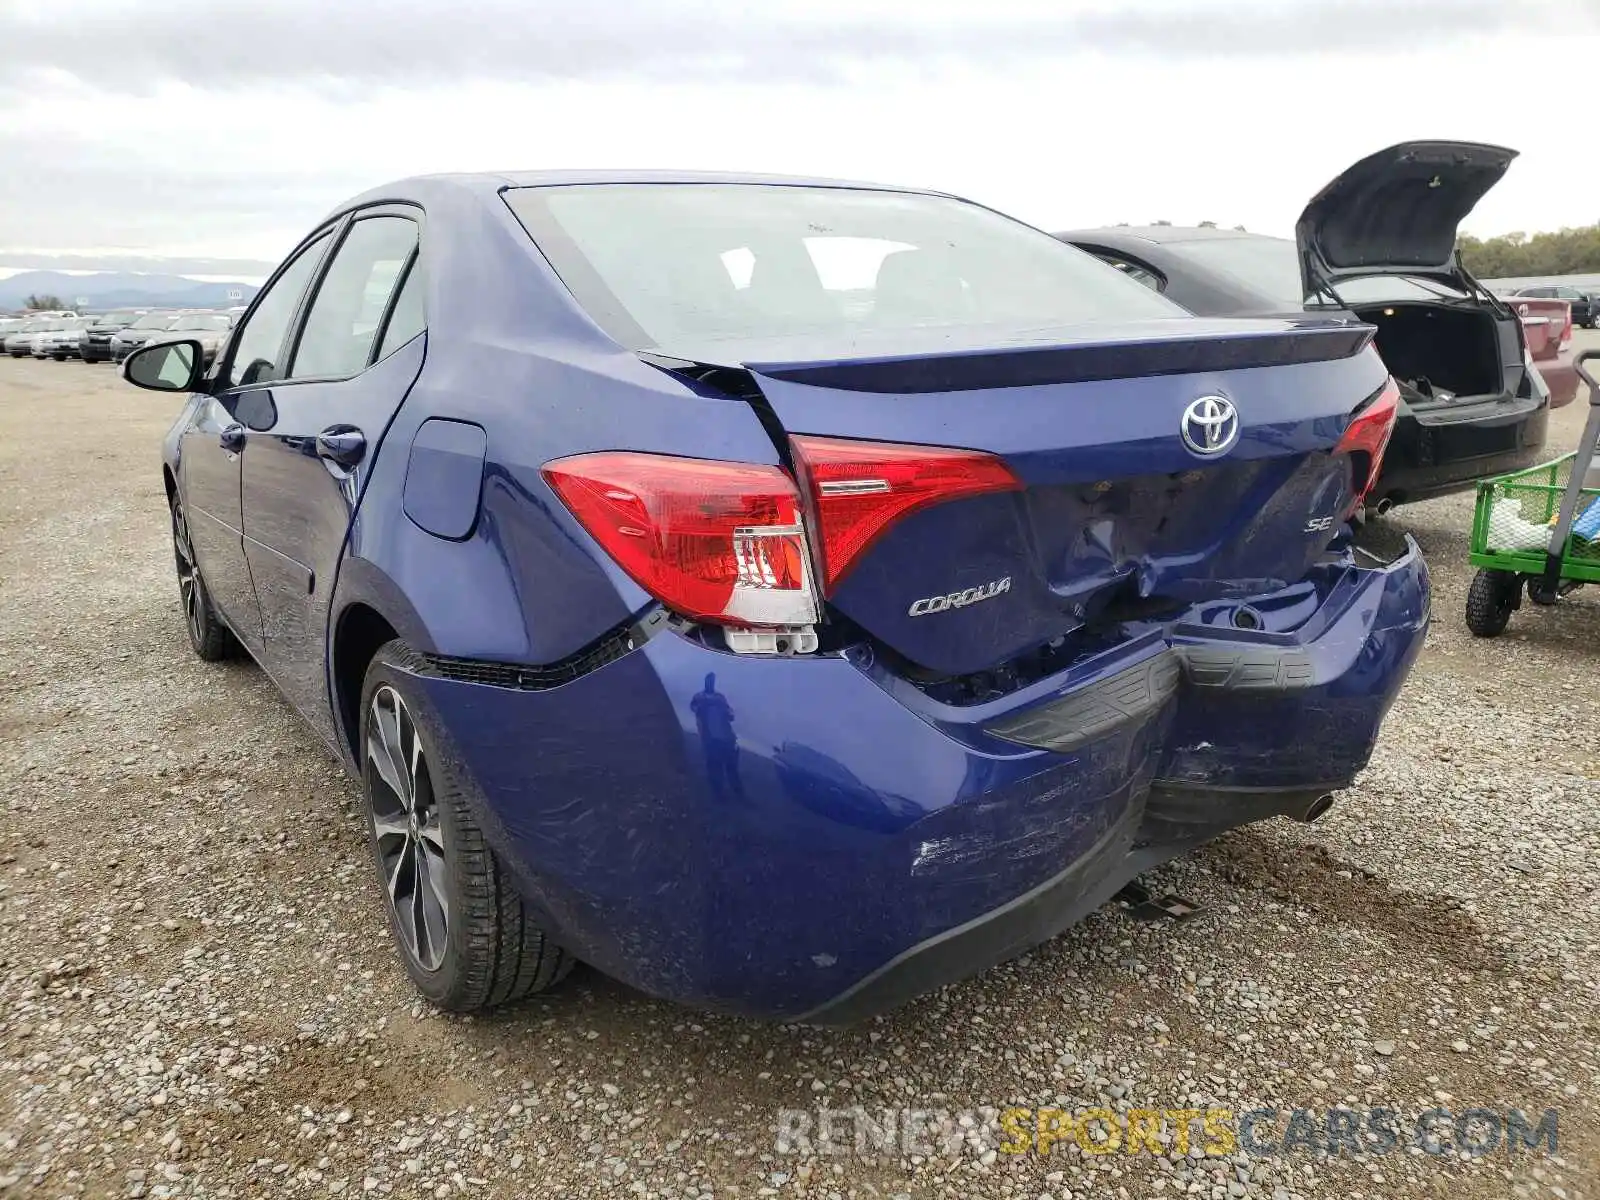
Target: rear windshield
column 153, row 321
column 1272, row 266
column 678, row 266
column 200, row 321
column 1268, row 265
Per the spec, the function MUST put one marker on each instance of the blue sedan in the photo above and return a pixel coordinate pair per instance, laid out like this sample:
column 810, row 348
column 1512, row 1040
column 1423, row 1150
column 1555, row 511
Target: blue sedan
column 786, row 596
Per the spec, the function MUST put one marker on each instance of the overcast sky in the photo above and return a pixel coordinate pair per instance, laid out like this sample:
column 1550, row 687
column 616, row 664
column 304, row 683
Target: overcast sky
column 189, row 128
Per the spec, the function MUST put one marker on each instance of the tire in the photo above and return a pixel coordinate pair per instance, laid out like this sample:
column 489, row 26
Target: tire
column 480, row 948
column 1491, row 600
column 212, row 640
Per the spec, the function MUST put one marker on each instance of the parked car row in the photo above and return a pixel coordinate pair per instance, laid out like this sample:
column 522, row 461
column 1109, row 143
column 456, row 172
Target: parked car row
column 1585, row 305
column 110, row 336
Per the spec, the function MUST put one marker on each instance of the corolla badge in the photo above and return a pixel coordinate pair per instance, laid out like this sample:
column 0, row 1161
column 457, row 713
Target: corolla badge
column 1210, row 425
column 971, row 595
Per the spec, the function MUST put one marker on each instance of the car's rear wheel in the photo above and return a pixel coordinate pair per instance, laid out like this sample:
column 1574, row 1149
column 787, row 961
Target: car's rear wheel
column 463, row 932
column 211, row 638
column 1491, row 600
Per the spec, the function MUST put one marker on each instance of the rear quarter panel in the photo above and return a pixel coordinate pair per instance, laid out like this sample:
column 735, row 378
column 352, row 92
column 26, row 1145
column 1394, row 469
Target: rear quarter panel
column 509, row 351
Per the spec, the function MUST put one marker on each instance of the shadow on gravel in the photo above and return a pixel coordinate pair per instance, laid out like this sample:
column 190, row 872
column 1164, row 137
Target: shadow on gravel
column 1309, row 877
column 1386, row 537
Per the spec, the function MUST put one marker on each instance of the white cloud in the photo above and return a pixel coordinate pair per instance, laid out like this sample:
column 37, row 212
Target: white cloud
column 1181, row 111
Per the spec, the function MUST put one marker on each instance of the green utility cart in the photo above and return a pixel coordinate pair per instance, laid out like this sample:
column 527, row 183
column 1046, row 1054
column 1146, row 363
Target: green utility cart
column 1537, row 529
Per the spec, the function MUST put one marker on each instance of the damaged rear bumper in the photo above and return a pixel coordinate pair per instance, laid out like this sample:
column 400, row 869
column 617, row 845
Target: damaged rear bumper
column 1270, row 725
column 813, row 838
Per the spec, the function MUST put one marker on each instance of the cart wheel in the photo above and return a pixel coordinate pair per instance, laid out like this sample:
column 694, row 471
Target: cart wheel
column 1491, row 600
column 1544, row 593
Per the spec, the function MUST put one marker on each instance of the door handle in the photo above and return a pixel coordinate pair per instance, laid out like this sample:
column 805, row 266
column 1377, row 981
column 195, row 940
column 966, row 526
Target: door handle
column 231, row 437
column 341, row 444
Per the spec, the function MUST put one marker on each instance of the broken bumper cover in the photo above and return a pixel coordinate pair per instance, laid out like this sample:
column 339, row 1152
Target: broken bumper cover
column 813, row 838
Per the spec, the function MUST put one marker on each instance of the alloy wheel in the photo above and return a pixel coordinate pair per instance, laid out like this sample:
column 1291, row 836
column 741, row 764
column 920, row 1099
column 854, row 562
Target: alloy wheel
column 188, row 577
column 405, row 824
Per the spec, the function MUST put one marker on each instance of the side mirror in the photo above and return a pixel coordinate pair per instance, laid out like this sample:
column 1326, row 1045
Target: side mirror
column 165, row 367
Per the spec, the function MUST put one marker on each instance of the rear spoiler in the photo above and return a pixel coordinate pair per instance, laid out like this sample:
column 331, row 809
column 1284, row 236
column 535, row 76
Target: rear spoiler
column 1024, row 366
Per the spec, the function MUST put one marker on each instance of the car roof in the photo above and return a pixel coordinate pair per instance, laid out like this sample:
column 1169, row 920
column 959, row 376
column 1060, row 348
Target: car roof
column 1162, row 234
column 488, row 183
column 494, row 180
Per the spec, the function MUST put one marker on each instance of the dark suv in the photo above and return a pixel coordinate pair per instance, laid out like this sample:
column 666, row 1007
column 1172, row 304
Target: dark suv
column 1585, row 305
column 95, row 344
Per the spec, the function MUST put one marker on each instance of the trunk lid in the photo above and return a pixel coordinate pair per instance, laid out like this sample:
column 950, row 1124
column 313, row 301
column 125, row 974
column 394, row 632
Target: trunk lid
column 1137, row 497
column 1396, row 212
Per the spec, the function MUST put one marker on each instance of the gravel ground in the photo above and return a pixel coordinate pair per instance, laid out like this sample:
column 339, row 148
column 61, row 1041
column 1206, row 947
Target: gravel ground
column 197, row 994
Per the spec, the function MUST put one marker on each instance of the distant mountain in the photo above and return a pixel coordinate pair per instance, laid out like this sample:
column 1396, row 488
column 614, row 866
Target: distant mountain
column 121, row 289
column 228, row 268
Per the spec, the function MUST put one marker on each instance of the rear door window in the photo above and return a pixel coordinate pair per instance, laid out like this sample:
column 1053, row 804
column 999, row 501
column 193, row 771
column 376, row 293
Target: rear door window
column 342, row 326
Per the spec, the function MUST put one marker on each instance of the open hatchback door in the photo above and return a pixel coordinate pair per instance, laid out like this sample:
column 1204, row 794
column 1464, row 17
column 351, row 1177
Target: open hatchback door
column 1397, row 212
column 1380, row 242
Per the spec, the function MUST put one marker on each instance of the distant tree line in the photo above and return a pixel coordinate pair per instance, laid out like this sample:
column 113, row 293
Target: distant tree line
column 1564, row 252
column 38, row 303
column 1511, row 255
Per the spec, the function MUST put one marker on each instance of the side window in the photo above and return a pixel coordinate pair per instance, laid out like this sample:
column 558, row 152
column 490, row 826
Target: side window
column 258, row 344
column 1133, row 270
column 342, row 325
column 407, row 319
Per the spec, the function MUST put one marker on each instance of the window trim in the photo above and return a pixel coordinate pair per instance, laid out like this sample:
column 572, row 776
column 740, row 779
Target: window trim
column 339, row 227
column 414, row 263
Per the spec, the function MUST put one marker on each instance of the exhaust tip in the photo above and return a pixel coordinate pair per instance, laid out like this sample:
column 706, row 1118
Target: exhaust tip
column 1317, row 808
column 1384, row 505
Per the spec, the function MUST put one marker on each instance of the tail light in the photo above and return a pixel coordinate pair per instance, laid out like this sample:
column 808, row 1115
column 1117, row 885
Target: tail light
column 1566, row 332
column 1366, row 438
column 717, row 541
column 857, row 490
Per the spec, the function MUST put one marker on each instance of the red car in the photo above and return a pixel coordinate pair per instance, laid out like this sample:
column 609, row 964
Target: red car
column 1547, row 328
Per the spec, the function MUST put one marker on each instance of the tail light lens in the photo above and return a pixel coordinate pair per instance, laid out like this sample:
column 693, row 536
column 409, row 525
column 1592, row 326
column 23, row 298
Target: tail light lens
column 1366, row 438
column 857, row 490
column 717, row 541
column 1566, row 332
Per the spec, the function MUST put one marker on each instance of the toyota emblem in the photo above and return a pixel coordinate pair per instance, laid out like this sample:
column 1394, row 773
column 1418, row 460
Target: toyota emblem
column 1210, row 425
